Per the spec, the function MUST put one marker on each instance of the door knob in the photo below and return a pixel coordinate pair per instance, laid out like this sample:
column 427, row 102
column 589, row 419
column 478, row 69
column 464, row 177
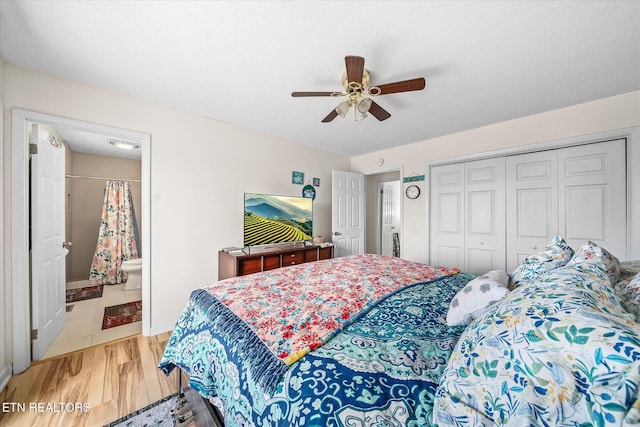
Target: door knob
column 66, row 244
column 336, row 233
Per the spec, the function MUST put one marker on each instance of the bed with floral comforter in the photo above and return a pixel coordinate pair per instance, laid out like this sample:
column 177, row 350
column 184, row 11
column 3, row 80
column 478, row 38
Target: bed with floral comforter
column 358, row 340
column 556, row 344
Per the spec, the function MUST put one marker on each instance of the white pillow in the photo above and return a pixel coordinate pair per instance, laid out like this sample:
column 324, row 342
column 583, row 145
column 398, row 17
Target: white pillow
column 475, row 298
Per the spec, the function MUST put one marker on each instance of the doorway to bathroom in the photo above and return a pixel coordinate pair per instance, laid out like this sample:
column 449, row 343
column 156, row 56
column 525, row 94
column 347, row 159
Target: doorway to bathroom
column 92, row 165
column 103, row 193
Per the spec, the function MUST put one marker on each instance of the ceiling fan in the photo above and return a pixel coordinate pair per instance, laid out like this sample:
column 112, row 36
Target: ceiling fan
column 355, row 81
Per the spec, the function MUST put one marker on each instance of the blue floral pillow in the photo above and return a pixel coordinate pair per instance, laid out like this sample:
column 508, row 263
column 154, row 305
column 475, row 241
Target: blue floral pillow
column 556, row 254
column 629, row 292
column 592, row 251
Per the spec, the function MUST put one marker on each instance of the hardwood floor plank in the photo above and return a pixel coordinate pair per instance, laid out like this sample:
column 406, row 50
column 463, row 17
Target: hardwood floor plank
column 107, row 381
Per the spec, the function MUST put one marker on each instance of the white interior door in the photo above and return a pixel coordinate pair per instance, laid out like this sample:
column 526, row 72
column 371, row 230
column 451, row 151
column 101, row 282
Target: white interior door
column 447, row 215
column 48, row 281
column 593, row 194
column 347, row 213
column 532, row 200
column 485, row 215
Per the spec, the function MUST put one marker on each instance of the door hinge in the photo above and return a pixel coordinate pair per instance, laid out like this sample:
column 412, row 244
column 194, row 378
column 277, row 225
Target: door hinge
column 33, row 148
column 34, row 334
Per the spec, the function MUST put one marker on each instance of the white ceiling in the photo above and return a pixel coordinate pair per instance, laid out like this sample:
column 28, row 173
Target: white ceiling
column 238, row 61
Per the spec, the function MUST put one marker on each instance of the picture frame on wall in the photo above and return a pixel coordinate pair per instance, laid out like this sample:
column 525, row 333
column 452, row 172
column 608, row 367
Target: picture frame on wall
column 297, row 177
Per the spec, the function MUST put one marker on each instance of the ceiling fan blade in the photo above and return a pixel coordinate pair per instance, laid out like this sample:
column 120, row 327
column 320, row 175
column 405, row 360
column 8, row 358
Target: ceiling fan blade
column 378, row 112
column 403, row 86
column 355, row 68
column 332, row 115
column 299, row 94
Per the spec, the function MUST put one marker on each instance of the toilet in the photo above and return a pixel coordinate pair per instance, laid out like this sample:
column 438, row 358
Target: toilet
column 133, row 268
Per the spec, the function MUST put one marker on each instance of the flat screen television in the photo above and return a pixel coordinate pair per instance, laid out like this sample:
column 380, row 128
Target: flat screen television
column 270, row 219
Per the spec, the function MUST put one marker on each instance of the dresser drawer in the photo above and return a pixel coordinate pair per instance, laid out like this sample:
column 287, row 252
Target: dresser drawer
column 325, row 253
column 249, row 266
column 270, row 262
column 292, row 258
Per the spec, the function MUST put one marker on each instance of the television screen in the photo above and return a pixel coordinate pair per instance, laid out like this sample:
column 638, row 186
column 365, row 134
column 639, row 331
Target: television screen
column 276, row 219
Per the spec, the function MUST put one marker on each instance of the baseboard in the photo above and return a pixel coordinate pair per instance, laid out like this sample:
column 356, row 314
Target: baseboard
column 5, row 376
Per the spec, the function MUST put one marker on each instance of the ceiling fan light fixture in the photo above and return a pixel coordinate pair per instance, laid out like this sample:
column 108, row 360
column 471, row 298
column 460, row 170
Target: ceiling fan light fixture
column 343, row 108
column 364, row 104
column 360, row 115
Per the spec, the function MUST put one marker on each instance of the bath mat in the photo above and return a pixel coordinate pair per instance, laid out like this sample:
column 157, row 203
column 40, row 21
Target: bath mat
column 122, row 314
column 81, row 294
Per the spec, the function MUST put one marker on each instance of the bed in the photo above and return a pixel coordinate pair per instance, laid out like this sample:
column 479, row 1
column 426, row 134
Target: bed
column 379, row 340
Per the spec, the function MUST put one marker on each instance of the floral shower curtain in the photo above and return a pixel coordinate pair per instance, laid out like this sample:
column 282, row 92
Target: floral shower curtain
column 117, row 240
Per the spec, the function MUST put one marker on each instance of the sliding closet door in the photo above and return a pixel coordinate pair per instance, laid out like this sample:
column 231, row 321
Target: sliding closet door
column 532, row 204
column 447, row 215
column 485, row 215
column 592, row 194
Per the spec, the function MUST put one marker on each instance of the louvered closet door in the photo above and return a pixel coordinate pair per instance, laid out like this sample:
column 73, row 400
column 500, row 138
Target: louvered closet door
column 532, row 204
column 485, row 215
column 592, row 195
column 447, row 215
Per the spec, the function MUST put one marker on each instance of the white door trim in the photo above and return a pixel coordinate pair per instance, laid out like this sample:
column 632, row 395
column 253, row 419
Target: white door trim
column 400, row 170
column 21, row 334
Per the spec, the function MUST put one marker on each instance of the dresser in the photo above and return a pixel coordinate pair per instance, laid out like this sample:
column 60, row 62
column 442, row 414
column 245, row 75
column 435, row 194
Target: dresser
column 255, row 260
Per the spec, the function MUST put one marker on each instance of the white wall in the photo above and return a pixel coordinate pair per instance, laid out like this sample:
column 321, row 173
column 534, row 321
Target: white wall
column 618, row 112
column 200, row 169
column 5, row 293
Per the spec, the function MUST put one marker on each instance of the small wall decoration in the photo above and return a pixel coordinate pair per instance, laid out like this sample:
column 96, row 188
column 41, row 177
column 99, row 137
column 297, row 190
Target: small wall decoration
column 316, row 182
column 309, row 192
column 413, row 178
column 297, row 177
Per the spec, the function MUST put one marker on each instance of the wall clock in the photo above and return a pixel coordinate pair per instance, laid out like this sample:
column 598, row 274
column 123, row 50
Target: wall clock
column 412, row 191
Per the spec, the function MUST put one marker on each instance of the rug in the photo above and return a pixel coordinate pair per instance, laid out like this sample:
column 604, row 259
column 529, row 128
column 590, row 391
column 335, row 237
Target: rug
column 81, row 294
column 156, row 414
column 118, row 315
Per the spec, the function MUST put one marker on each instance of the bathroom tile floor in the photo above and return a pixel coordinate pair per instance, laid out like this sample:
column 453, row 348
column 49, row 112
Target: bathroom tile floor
column 83, row 327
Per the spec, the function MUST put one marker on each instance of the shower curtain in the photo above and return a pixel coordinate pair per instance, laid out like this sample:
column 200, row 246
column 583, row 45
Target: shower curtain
column 117, row 238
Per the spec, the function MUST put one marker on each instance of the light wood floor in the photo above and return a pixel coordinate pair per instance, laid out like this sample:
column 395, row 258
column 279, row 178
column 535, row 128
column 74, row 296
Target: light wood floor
column 107, row 381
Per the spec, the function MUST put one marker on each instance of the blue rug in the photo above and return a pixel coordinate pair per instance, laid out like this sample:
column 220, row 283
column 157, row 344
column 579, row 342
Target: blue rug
column 156, row 414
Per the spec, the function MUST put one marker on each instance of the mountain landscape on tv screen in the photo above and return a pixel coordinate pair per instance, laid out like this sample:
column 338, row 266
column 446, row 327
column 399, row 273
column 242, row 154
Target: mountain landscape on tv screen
column 276, row 219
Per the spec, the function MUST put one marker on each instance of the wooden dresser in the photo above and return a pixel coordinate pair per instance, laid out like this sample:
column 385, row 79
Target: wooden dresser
column 262, row 259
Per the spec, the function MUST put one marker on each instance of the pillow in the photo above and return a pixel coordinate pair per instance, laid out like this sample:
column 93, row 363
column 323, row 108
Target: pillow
column 556, row 254
column 629, row 292
column 629, row 269
column 590, row 251
column 473, row 300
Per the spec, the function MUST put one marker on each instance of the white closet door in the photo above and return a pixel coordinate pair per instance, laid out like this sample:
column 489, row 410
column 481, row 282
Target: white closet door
column 532, row 204
column 592, row 195
column 447, row 216
column 485, row 215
